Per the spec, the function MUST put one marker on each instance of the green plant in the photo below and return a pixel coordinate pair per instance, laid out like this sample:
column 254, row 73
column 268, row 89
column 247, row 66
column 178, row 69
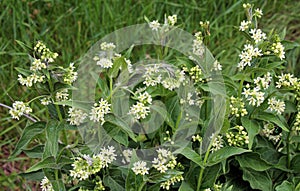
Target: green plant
column 182, row 98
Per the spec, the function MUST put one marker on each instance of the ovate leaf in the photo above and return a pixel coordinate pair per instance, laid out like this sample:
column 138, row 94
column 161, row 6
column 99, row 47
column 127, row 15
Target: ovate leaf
column 258, row 180
column 253, row 161
column 252, row 128
column 285, row 186
column 224, row 153
column 28, row 133
column 190, row 154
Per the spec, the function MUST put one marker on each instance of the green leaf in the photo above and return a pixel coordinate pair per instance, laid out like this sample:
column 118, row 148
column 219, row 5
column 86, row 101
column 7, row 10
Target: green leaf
column 185, row 187
column 190, row 154
column 112, row 184
column 52, row 134
column 58, row 185
column 120, row 123
column 223, row 154
column 252, row 128
column 253, row 161
column 35, row 152
column 102, row 83
column 28, row 133
column 23, row 71
column 258, row 180
column 36, row 176
column 158, row 177
column 285, row 186
column 210, row 175
column 45, row 163
column 270, row 117
column 118, row 63
column 295, row 163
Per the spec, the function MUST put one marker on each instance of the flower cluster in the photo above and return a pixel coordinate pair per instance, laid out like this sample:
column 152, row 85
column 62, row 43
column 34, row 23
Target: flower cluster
column 76, row 116
column 276, row 105
column 237, row 107
column 217, row 143
column 287, row 81
column 141, row 109
column 152, row 76
column 296, row 125
column 171, row 83
column 62, row 95
column 197, row 138
column 191, row 99
column 269, row 132
column 245, row 25
column 278, row 50
column 195, row 73
column 264, row 82
column 46, row 185
column 127, row 153
column 257, row 35
column 170, row 21
column 31, row 79
column 70, row 74
column 164, row 160
column 45, row 53
column 167, row 184
column 254, row 96
column 86, row 165
column 249, row 52
column 237, row 136
column 18, row 109
column 140, row 167
column 46, row 101
column 99, row 110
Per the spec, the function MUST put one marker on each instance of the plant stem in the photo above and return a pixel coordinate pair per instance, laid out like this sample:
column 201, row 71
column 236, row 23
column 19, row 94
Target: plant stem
column 65, row 139
column 142, row 186
column 204, row 163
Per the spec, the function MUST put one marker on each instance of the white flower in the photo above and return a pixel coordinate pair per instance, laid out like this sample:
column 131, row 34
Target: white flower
column 46, row 101
column 127, row 156
column 264, row 82
column 107, row 155
column 37, row 64
column 76, row 116
column 99, row 111
column 278, row 50
column 154, row 25
column 46, row 185
column 18, row 109
column 258, row 13
column 172, row 20
column 217, row 66
column 139, row 110
column 247, row 54
column 276, row 105
column 217, row 143
column 286, row 80
column 62, row 95
column 140, row 167
column 107, row 46
column 244, row 25
column 129, row 65
column 70, row 75
column 257, row 35
column 145, row 98
column 105, row 63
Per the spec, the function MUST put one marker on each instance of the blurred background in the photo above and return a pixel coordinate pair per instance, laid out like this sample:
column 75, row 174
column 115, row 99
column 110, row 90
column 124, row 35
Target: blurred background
column 71, row 27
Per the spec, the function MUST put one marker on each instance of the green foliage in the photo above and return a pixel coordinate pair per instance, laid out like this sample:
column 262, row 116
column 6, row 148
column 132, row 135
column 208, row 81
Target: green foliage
column 268, row 158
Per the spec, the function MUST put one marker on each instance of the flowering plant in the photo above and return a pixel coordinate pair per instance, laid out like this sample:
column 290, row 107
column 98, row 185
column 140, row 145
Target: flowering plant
column 179, row 122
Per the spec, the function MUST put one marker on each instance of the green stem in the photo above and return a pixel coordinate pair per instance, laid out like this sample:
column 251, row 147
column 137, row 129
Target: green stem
column 288, row 149
column 142, row 186
column 65, row 139
column 204, row 163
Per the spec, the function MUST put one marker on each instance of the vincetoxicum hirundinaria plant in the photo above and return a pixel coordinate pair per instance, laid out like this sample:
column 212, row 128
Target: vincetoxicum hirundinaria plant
column 134, row 146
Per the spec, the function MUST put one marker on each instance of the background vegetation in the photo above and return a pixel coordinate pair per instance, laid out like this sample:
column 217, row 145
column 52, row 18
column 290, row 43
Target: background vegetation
column 71, row 27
